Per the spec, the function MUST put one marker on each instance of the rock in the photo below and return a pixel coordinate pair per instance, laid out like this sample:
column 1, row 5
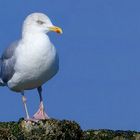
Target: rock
column 50, row 129
column 105, row 134
column 53, row 129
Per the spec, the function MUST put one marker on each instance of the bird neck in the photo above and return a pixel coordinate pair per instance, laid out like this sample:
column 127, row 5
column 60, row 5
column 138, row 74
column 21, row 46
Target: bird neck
column 34, row 36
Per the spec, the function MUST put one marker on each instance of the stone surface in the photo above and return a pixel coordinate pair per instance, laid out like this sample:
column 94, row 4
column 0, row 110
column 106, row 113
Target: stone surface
column 42, row 130
column 53, row 129
column 110, row 135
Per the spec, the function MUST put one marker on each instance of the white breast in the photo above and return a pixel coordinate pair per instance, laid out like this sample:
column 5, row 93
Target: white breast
column 37, row 62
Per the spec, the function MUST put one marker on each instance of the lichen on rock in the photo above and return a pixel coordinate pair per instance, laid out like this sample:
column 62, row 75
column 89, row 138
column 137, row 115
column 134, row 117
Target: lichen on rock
column 104, row 134
column 52, row 129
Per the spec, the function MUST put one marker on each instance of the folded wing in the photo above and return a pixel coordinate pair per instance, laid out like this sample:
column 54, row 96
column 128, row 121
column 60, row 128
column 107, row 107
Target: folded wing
column 7, row 63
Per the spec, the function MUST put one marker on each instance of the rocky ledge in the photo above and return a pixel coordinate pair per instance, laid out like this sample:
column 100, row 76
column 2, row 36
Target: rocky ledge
column 53, row 129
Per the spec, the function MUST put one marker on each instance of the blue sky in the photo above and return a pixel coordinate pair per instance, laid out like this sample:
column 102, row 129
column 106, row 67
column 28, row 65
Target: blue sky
column 98, row 84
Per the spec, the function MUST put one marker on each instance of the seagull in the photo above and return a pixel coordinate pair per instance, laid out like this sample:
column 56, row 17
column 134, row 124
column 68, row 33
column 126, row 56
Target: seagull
column 31, row 61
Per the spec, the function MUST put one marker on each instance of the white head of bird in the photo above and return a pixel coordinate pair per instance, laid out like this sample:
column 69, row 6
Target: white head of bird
column 39, row 23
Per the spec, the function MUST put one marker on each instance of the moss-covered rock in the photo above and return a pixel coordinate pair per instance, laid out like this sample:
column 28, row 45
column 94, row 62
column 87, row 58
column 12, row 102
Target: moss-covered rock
column 53, row 129
column 42, row 130
column 110, row 135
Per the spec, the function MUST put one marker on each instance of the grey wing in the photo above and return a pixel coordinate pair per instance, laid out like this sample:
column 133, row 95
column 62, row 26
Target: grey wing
column 8, row 53
column 8, row 62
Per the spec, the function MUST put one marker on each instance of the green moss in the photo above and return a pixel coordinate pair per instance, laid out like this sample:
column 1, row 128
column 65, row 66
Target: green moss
column 109, row 135
column 9, row 130
column 53, row 129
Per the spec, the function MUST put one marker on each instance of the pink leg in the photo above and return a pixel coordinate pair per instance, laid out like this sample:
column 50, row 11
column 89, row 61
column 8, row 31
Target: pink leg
column 40, row 114
column 25, row 107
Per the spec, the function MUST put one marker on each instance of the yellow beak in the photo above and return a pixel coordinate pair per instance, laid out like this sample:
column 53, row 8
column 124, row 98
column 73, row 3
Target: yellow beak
column 56, row 29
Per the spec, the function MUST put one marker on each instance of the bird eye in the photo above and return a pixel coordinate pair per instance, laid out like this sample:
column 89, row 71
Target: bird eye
column 40, row 22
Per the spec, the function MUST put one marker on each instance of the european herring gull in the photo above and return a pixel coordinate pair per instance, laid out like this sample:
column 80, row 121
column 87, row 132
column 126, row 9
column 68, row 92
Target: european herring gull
column 31, row 61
